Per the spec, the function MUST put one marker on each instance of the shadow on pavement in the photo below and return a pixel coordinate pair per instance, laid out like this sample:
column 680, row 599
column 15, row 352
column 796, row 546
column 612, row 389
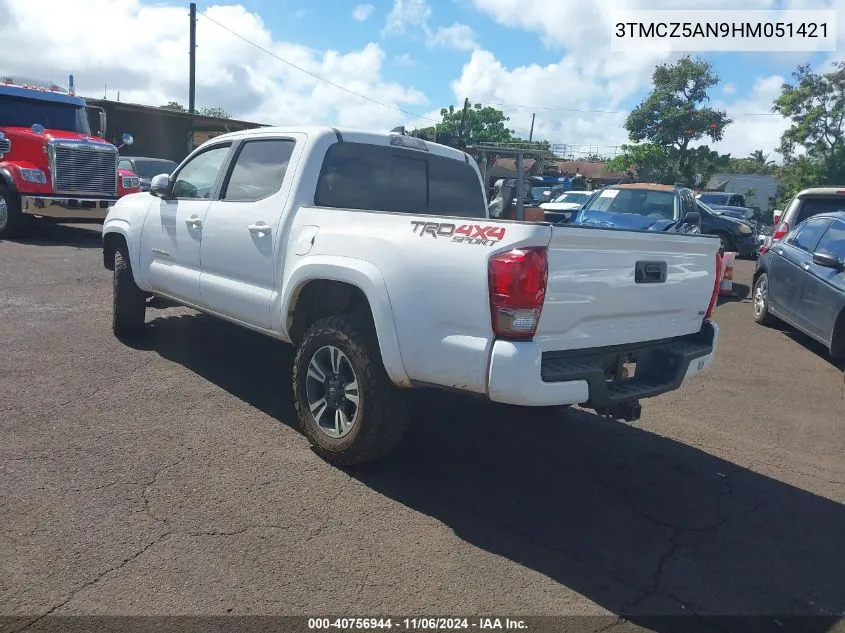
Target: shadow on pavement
column 741, row 293
column 813, row 346
column 641, row 524
column 48, row 233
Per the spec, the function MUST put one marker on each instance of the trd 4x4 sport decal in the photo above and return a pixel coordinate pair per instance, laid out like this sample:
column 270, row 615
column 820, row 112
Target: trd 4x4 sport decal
column 466, row 233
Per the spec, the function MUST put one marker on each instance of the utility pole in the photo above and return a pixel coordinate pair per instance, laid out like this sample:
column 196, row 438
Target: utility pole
column 531, row 133
column 192, row 68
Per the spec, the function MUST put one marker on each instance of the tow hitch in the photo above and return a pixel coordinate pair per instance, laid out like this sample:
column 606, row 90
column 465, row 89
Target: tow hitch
column 628, row 411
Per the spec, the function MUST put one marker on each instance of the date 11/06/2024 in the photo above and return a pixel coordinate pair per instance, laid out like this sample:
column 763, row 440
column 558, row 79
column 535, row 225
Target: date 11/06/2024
column 417, row 624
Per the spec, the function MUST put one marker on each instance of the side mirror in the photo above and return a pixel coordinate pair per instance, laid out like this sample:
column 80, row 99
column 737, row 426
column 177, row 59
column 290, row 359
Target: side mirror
column 127, row 139
column 160, row 186
column 693, row 217
column 828, row 260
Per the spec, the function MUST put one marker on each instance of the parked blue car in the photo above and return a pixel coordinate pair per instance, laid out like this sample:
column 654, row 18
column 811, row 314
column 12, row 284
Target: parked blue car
column 801, row 280
column 655, row 207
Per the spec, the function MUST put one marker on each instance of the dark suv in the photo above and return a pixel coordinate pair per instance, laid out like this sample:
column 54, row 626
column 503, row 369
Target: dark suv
column 805, row 204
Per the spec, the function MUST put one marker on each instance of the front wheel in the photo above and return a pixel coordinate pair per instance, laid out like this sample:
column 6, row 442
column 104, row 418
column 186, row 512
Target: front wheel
column 12, row 220
column 129, row 303
column 347, row 406
column 761, row 301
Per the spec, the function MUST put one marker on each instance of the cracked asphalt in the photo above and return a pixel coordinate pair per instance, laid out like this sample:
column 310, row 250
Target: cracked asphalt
column 170, row 479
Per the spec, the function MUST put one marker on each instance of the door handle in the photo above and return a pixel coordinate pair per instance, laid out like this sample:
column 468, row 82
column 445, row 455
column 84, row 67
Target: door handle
column 260, row 229
column 778, row 251
column 194, row 222
column 805, row 266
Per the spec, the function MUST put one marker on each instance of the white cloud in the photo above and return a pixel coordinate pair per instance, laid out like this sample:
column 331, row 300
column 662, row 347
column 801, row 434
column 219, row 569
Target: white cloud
column 458, row 36
column 405, row 13
column 404, row 59
column 748, row 133
column 362, row 12
column 141, row 51
column 410, row 14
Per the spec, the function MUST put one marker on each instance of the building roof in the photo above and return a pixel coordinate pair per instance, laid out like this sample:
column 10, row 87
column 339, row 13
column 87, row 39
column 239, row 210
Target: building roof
column 510, row 163
column 199, row 119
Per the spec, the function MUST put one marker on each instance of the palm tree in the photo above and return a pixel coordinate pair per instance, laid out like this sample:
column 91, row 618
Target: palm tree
column 759, row 157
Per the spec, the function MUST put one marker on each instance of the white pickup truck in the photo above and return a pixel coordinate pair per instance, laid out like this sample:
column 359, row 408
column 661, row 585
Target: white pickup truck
column 373, row 254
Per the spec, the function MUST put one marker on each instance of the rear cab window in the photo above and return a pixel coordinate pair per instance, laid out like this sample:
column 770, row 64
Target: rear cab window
column 398, row 180
column 813, row 206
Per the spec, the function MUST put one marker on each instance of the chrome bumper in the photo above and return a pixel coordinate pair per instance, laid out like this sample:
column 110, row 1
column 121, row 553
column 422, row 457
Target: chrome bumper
column 67, row 207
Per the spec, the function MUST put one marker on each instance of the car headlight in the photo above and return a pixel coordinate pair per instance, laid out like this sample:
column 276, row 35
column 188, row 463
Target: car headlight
column 131, row 182
column 744, row 229
column 33, row 175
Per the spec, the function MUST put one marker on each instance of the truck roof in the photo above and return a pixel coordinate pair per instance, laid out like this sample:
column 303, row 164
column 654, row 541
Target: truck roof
column 644, row 185
column 41, row 94
column 821, row 191
column 347, row 134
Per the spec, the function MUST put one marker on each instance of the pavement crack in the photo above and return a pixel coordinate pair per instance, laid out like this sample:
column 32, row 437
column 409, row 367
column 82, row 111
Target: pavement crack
column 75, row 592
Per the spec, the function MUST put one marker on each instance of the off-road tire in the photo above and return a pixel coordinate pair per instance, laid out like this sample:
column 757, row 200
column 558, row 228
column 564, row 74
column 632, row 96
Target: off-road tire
column 763, row 317
column 16, row 222
column 382, row 418
column 129, row 303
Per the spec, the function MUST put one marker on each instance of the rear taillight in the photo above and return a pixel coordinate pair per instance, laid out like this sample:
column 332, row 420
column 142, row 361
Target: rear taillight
column 715, row 296
column 517, row 281
column 780, row 231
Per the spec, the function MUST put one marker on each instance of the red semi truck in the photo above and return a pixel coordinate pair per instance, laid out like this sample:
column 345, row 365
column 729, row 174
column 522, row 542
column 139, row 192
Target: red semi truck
column 51, row 165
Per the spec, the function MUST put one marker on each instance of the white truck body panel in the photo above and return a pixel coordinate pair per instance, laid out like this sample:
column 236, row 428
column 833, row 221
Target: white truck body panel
column 427, row 286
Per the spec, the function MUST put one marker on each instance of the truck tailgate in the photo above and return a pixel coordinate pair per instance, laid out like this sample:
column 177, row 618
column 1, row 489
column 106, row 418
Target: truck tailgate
column 611, row 287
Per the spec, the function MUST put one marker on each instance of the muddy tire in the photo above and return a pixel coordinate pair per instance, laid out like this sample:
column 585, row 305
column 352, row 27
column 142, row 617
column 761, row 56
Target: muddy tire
column 348, row 407
column 12, row 220
column 129, row 303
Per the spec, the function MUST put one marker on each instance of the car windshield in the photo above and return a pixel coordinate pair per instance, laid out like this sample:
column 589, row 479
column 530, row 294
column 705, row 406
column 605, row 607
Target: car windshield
column 538, row 192
column 17, row 112
column 661, row 205
column 714, row 198
column 577, row 198
column 152, row 168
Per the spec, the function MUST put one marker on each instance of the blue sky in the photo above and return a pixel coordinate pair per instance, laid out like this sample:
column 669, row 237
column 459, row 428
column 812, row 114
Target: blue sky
column 414, row 55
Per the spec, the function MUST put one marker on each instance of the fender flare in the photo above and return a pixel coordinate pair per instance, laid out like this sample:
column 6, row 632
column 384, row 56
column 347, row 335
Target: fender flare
column 6, row 177
column 367, row 278
column 119, row 226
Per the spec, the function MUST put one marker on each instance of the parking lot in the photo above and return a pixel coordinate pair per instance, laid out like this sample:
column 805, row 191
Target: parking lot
column 170, row 478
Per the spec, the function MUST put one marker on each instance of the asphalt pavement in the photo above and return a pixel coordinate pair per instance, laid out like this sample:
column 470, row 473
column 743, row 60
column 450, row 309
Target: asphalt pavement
column 170, row 478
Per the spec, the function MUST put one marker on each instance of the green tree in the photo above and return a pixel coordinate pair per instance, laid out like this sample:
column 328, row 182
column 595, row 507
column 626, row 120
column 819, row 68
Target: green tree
column 470, row 125
column 220, row 113
column 674, row 115
column 815, row 105
column 647, row 162
column 760, row 157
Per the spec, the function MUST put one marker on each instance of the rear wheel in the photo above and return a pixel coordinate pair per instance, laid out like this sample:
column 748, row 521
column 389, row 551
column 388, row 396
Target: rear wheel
column 347, row 405
column 12, row 220
column 761, row 301
column 129, row 303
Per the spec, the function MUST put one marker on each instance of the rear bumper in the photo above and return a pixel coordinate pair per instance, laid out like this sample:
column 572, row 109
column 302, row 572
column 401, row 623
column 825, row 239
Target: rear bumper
column 521, row 374
column 67, row 207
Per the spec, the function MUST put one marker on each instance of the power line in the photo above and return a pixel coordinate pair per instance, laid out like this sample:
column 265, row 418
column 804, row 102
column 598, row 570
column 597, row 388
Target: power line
column 589, row 111
column 316, row 76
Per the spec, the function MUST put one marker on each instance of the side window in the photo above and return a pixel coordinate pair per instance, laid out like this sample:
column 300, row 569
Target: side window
column 258, row 170
column 380, row 178
column 687, row 203
column 196, row 179
column 808, row 235
column 833, row 241
column 125, row 164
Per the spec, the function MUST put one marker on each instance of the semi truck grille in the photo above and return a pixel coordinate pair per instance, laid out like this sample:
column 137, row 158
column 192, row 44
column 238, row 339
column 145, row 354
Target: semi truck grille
column 83, row 170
